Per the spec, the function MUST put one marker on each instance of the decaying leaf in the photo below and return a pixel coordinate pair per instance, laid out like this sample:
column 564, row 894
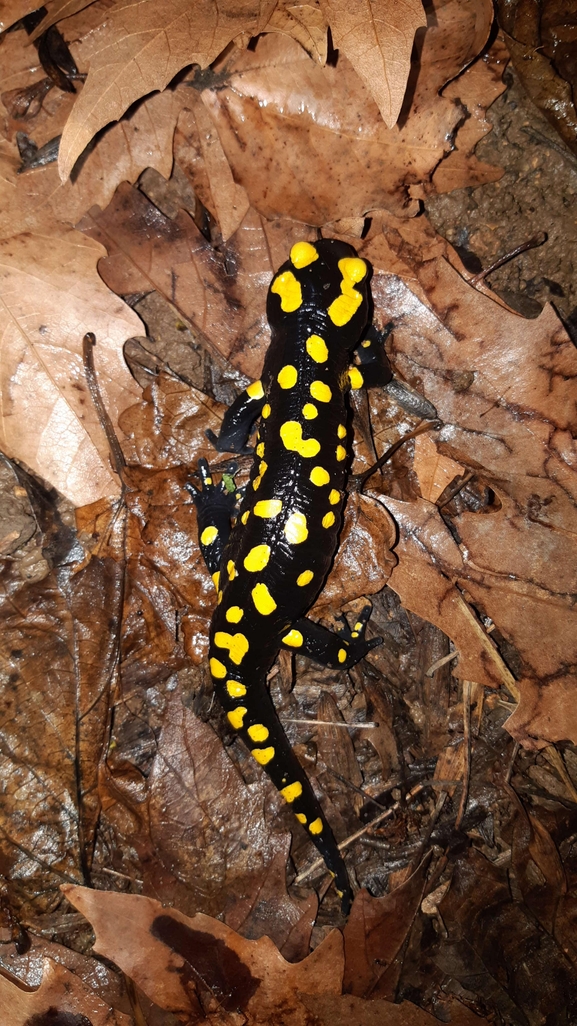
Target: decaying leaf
column 60, row 998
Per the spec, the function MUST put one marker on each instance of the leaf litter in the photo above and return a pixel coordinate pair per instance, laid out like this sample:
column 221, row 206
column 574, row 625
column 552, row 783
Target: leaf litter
column 444, row 759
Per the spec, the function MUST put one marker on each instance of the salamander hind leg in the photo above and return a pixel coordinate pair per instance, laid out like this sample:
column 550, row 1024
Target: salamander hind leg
column 215, row 506
column 340, row 649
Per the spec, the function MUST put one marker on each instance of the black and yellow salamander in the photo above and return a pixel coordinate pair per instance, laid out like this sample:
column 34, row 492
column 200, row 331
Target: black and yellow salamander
column 269, row 569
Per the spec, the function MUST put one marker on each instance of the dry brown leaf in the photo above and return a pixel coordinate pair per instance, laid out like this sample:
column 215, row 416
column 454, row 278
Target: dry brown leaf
column 196, row 966
column 377, row 39
column 58, row 10
column 48, row 419
column 12, row 10
column 142, row 47
column 503, row 388
column 305, row 23
column 148, row 250
column 60, row 998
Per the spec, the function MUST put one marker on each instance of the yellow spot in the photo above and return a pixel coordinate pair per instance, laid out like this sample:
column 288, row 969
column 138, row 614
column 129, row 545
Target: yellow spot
column 256, row 482
column 260, row 449
column 334, row 496
column 208, row 480
column 288, row 376
column 288, row 288
column 366, row 343
column 355, row 377
column 208, row 535
column 342, row 655
column 291, row 433
column 358, row 626
column 231, row 570
column 237, row 645
column 328, row 519
column 301, row 817
column 342, row 431
column 216, row 579
column 245, row 516
column 310, row 411
column 295, row 529
column 265, row 412
column 234, row 614
column 342, row 309
column 258, row 732
column 255, row 391
column 217, row 669
column 263, row 755
column 319, row 476
column 302, row 254
column 262, row 468
column 267, row 508
column 219, row 598
column 341, row 453
column 305, row 578
column 257, row 558
column 317, row 349
column 321, row 392
column 235, row 689
column 236, row 717
column 292, row 791
column 263, row 600
column 354, row 634
column 316, row 826
column 294, row 638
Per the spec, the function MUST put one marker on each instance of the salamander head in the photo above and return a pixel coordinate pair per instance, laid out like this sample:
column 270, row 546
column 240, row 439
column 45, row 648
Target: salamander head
column 323, row 284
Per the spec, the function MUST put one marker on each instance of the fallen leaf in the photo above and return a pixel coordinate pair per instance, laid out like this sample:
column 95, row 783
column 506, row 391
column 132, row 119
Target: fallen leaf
column 12, row 10
column 60, row 998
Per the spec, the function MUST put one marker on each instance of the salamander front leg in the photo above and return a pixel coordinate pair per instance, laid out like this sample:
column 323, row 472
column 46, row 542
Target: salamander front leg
column 339, row 649
column 215, row 506
column 238, row 420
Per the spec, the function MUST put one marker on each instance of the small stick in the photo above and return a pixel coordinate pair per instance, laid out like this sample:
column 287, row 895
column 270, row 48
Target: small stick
column 467, row 743
column 456, row 489
column 429, row 425
column 533, row 243
column 441, row 662
column 117, row 456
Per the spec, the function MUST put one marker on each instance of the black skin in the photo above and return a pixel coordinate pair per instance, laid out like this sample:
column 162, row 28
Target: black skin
column 248, row 626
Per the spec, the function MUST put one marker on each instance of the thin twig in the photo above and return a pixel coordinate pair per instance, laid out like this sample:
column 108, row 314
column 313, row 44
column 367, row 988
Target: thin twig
column 533, row 243
column 442, row 662
column 116, row 454
column 332, row 723
column 426, row 425
column 467, row 743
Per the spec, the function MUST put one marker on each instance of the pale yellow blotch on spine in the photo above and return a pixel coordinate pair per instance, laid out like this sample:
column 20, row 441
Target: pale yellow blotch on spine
column 255, row 391
column 265, row 412
column 256, row 482
column 302, row 254
column 301, row 817
column 355, row 377
column 287, row 377
column 257, row 732
column 305, row 578
column 257, row 558
column 321, row 392
column 231, row 569
column 310, row 411
column 316, row 826
column 262, row 468
column 342, row 309
column 317, row 349
column 319, row 476
column 219, row 598
column 341, row 453
column 234, row 614
column 235, row 689
column 295, row 529
column 334, row 496
column 328, row 519
column 292, row 791
column 342, row 655
column 291, row 434
column 236, row 717
column 263, row 600
column 237, row 645
column 216, row 579
column 267, row 508
column 294, row 638
column 208, row 535
column 263, row 755
column 288, row 288
column 342, row 431
column 245, row 516
column 217, row 669
column 260, row 449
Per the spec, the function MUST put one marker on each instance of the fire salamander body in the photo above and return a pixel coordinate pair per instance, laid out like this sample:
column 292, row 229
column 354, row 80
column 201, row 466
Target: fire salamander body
column 269, row 569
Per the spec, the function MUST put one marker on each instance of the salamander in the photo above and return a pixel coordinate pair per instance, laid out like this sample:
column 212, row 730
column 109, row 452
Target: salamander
column 270, row 567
